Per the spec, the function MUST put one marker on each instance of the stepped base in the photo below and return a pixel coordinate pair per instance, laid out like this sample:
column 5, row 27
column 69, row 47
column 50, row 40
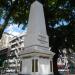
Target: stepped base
column 38, row 74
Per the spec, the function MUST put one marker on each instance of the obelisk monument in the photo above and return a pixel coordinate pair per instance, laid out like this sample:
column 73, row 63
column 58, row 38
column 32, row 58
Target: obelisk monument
column 36, row 57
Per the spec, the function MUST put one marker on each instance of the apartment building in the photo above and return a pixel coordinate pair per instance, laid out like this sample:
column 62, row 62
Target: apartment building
column 4, row 41
column 16, row 45
column 4, row 50
column 63, row 64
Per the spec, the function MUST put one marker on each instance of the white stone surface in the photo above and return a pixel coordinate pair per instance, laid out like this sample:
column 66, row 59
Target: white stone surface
column 36, row 34
column 27, row 66
column 36, row 43
column 36, row 22
column 44, row 66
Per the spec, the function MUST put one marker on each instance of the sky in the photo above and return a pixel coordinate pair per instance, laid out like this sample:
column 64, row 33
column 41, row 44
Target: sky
column 13, row 29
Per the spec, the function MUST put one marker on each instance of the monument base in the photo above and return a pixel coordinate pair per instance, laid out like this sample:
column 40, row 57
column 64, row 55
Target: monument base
column 30, row 74
column 36, row 61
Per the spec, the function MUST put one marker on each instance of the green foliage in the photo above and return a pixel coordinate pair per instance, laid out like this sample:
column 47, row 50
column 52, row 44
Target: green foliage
column 2, row 58
column 56, row 11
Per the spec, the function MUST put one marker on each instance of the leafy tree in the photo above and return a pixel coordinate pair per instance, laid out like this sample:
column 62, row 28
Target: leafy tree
column 59, row 16
column 2, row 58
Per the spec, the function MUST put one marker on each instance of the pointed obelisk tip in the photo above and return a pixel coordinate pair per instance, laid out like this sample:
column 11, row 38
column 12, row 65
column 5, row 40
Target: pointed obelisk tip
column 36, row 2
column 36, row 19
column 36, row 33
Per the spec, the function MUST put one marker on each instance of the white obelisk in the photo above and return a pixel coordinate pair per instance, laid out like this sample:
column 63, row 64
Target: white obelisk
column 36, row 57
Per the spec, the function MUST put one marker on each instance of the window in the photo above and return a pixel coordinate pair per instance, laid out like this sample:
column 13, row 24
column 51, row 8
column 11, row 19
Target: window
column 51, row 66
column 20, row 65
column 12, row 46
column 35, row 65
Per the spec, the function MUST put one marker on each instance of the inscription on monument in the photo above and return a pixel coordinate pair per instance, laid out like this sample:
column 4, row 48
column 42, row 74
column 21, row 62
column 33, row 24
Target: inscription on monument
column 42, row 39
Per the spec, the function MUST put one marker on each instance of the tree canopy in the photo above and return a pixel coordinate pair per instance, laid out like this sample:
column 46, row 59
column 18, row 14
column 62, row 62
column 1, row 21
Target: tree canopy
column 59, row 15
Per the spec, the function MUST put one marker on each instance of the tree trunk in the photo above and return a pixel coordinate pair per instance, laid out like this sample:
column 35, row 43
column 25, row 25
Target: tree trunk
column 55, row 67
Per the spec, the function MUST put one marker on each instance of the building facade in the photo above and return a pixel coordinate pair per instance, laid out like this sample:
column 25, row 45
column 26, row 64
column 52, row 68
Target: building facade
column 16, row 44
column 63, row 64
column 4, row 41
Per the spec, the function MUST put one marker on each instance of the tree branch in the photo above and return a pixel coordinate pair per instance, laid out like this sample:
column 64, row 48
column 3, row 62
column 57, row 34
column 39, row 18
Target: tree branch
column 2, row 28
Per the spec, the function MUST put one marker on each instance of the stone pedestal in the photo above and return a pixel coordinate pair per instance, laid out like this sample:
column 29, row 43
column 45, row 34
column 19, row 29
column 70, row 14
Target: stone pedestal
column 37, row 60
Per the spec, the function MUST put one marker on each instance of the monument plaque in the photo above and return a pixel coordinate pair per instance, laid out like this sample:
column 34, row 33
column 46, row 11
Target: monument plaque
column 36, row 57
